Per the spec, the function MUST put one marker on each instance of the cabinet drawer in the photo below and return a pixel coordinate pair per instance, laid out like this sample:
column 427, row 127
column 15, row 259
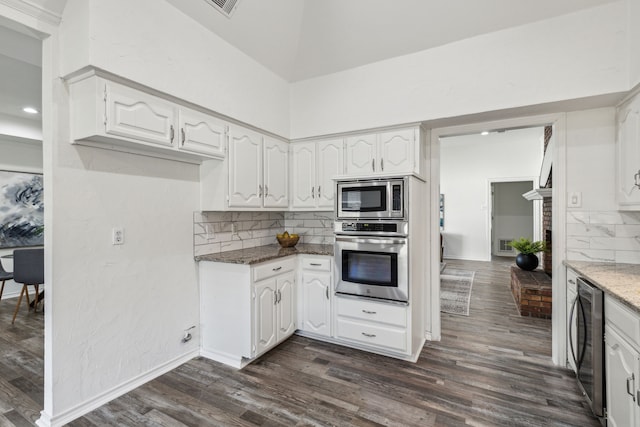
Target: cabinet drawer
column 316, row 264
column 372, row 334
column 623, row 319
column 273, row 268
column 372, row 311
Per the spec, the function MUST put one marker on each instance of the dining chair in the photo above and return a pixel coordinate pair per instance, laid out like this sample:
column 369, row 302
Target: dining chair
column 28, row 269
column 4, row 276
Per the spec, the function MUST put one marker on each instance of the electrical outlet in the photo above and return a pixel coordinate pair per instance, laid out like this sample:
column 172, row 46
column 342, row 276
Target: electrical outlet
column 117, row 236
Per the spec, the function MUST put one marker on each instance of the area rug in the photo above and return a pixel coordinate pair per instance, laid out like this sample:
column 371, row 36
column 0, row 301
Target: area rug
column 455, row 291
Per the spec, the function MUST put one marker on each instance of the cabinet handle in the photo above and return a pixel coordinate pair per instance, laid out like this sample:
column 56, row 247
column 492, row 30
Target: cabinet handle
column 171, row 133
column 277, row 268
column 382, row 164
column 266, row 191
column 275, row 297
column 315, row 264
column 313, row 192
column 326, row 291
column 573, row 282
column 373, row 164
column 635, row 179
column 318, row 191
column 368, row 312
column 259, row 190
column 368, row 335
column 279, row 296
column 632, row 381
column 183, row 134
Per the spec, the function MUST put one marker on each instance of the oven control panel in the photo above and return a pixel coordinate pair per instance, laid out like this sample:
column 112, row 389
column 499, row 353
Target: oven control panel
column 394, row 228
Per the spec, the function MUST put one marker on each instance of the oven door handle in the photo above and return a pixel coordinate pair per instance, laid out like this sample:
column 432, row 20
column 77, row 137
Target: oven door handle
column 372, row 240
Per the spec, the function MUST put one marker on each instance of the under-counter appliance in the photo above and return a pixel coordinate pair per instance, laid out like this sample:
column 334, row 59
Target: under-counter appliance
column 372, row 259
column 588, row 313
column 382, row 198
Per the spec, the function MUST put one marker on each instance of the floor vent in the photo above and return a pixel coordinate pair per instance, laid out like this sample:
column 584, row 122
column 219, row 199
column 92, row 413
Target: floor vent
column 226, row 7
column 504, row 246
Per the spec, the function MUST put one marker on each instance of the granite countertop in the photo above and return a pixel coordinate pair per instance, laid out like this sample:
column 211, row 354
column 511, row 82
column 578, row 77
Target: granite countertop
column 619, row 280
column 266, row 253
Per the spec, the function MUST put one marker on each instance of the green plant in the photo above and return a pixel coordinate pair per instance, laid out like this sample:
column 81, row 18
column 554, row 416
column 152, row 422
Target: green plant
column 526, row 246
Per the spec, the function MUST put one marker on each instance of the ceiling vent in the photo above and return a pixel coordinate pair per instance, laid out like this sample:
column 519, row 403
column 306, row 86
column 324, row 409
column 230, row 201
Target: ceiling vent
column 226, row 7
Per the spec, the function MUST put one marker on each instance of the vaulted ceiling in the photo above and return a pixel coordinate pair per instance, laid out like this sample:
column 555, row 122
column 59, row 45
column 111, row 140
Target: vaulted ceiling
column 301, row 39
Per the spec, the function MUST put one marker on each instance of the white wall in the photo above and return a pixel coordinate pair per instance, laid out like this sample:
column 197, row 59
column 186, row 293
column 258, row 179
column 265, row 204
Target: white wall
column 467, row 165
column 22, row 156
column 155, row 44
column 572, row 56
column 597, row 231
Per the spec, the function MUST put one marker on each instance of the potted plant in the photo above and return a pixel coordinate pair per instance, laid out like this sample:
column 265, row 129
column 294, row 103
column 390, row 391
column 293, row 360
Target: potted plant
column 527, row 258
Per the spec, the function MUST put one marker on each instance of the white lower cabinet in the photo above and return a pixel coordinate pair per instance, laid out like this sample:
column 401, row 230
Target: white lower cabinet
column 246, row 310
column 373, row 324
column 622, row 364
column 316, row 295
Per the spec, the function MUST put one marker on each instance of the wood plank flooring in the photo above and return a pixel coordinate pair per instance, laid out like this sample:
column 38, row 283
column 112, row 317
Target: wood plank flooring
column 492, row 368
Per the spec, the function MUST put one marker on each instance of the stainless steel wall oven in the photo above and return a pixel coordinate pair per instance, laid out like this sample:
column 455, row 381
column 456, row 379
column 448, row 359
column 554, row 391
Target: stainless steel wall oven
column 372, row 259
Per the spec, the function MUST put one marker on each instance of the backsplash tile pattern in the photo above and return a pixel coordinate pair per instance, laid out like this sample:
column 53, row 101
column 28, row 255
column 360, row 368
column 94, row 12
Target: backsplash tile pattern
column 609, row 236
column 212, row 231
column 313, row 227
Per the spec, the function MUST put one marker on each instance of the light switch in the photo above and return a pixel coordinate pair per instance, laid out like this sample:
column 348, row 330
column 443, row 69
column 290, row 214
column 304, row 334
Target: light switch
column 575, row 199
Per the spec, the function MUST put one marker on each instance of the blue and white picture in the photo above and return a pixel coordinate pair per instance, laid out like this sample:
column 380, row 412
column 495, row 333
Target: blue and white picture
column 21, row 209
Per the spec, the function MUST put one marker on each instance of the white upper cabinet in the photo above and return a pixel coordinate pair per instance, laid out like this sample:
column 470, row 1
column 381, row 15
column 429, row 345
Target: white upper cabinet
column 393, row 152
column 117, row 116
column 245, row 168
column 276, row 177
column 628, row 154
column 137, row 115
column 202, row 134
column 313, row 167
column 258, row 170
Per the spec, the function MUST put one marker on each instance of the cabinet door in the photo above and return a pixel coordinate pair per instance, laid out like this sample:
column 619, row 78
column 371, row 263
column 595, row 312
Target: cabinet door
column 628, row 152
column 361, row 155
column 621, row 362
column 276, row 179
column 265, row 328
column 330, row 163
column 316, row 303
column 202, row 134
column 303, row 175
column 397, row 149
column 245, row 168
column 286, row 308
column 137, row 115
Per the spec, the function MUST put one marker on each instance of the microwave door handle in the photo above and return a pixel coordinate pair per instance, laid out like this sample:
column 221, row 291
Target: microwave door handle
column 573, row 352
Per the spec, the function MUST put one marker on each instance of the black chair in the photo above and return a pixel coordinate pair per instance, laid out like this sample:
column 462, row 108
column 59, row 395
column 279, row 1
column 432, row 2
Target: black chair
column 4, row 276
column 28, row 269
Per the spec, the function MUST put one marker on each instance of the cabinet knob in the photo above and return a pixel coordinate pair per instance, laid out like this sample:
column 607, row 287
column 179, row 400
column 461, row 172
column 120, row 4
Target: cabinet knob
column 368, row 312
column 277, row 268
column 368, row 335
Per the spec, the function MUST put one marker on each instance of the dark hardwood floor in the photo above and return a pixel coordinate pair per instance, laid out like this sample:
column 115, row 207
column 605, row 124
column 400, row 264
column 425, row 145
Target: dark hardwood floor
column 492, row 368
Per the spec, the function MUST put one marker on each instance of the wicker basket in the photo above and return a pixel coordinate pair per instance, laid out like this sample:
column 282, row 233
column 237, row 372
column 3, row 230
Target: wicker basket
column 288, row 242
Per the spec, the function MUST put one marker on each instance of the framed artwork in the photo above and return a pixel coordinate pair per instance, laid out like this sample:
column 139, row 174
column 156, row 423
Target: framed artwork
column 442, row 211
column 21, row 209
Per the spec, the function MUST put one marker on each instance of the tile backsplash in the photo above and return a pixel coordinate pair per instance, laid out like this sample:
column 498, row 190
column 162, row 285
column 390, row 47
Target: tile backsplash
column 603, row 236
column 215, row 232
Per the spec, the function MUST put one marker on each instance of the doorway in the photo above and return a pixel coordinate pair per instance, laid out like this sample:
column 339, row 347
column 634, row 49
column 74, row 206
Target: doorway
column 512, row 216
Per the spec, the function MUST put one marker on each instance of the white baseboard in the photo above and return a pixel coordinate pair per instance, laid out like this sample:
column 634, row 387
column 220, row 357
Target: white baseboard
column 224, row 358
column 46, row 420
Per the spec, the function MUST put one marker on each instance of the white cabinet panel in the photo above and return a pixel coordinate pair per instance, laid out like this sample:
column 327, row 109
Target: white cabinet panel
column 397, row 151
column 361, row 152
column 286, row 307
column 276, row 179
column 313, row 166
column 316, row 289
column 371, row 334
column 202, row 134
column 135, row 114
column 622, row 371
column 245, row 168
column 266, row 333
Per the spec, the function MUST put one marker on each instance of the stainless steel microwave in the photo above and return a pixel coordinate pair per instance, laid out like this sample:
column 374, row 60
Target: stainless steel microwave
column 371, row 199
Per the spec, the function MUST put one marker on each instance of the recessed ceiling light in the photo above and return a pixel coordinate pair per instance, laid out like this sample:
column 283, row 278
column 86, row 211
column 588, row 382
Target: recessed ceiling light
column 30, row 110
column 485, row 133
